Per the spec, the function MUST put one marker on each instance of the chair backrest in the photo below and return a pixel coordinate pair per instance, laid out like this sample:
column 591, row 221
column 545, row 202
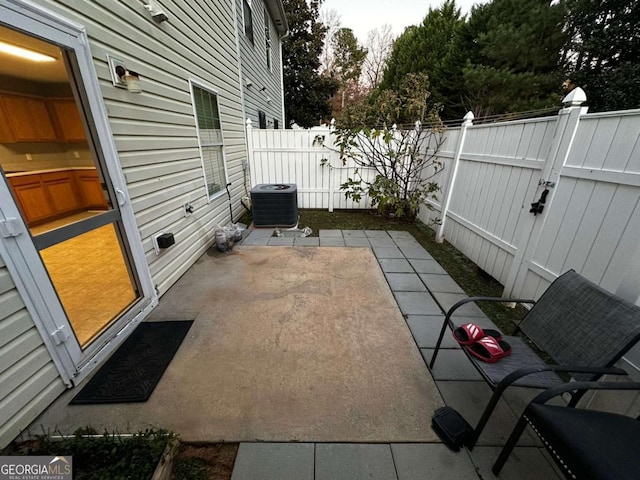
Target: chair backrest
column 579, row 323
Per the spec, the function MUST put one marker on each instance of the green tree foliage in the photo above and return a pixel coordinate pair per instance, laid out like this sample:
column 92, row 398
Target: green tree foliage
column 433, row 47
column 306, row 92
column 513, row 50
column 403, row 166
column 349, row 56
column 603, row 51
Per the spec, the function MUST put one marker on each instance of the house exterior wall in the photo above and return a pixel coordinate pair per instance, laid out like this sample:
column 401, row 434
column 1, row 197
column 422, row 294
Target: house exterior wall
column 29, row 380
column 262, row 86
column 157, row 147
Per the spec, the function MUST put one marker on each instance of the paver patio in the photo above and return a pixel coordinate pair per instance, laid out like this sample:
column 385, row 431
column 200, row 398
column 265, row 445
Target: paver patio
column 388, row 436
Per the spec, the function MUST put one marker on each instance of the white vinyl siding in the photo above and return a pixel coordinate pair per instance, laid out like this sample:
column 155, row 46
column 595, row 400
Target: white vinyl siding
column 29, row 381
column 265, row 93
column 211, row 144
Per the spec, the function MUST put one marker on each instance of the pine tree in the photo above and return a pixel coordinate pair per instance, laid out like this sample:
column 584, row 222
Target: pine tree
column 306, row 92
column 602, row 53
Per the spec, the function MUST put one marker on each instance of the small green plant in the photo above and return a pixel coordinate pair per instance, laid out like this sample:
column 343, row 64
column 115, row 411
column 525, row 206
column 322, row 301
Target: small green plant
column 104, row 457
column 394, row 167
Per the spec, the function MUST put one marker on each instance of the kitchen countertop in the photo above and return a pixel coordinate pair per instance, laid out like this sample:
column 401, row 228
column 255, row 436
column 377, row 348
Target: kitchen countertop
column 49, row 170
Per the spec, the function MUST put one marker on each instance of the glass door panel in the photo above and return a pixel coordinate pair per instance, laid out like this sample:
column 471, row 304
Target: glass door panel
column 56, row 172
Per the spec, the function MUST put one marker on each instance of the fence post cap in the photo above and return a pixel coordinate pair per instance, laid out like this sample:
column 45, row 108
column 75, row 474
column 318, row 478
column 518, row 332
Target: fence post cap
column 575, row 98
column 249, row 123
column 468, row 118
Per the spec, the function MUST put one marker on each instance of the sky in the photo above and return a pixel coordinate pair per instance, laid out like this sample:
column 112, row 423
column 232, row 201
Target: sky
column 361, row 16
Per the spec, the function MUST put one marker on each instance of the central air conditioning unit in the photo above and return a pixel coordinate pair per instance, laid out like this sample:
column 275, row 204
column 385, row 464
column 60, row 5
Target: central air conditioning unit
column 275, row 205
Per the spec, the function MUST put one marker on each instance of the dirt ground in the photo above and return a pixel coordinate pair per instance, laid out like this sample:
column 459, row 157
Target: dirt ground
column 205, row 461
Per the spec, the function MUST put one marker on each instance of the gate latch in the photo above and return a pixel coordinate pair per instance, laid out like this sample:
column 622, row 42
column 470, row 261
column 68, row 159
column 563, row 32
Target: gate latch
column 10, row 227
column 537, row 207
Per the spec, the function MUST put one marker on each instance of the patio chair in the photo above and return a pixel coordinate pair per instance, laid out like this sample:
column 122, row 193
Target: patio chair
column 582, row 329
column 584, row 443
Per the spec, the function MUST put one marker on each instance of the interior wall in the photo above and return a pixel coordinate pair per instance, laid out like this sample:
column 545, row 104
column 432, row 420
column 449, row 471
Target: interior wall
column 44, row 156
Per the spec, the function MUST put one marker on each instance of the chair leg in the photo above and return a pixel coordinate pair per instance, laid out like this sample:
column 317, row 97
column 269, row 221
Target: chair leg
column 438, row 343
column 508, row 447
column 486, row 415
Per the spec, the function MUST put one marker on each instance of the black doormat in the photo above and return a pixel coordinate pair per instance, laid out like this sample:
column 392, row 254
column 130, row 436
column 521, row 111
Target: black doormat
column 131, row 374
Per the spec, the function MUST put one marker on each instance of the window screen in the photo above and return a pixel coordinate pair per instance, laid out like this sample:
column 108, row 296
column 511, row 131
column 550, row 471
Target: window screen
column 267, row 36
column 211, row 144
column 248, row 19
column 262, row 119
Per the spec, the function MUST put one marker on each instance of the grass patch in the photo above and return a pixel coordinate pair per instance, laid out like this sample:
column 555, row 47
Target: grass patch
column 474, row 281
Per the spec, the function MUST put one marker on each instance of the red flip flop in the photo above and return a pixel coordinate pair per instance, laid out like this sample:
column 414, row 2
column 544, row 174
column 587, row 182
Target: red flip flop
column 489, row 350
column 470, row 333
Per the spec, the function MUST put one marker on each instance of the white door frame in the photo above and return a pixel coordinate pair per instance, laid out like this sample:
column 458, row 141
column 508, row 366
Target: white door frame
column 19, row 252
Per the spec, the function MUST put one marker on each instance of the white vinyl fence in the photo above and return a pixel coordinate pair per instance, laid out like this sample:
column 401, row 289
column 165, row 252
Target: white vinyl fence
column 587, row 167
column 588, row 164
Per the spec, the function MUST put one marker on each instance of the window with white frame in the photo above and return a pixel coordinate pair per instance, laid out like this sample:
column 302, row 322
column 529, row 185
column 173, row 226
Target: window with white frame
column 248, row 19
column 205, row 104
column 267, row 37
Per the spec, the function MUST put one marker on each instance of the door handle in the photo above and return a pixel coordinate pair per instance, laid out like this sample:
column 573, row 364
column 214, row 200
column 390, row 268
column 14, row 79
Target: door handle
column 121, row 197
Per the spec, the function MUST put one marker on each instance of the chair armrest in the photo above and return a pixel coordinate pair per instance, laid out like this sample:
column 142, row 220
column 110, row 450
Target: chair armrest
column 573, row 386
column 523, row 372
column 482, row 299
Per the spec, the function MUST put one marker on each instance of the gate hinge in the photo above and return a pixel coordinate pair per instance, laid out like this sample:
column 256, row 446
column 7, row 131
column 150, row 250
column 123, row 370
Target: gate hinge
column 546, row 183
column 10, row 227
column 59, row 336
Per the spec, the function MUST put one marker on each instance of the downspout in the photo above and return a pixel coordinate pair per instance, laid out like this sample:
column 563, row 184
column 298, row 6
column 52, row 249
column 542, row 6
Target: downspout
column 245, row 162
column 280, row 39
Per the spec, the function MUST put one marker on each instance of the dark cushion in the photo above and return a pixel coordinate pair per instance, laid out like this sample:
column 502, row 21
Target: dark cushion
column 588, row 443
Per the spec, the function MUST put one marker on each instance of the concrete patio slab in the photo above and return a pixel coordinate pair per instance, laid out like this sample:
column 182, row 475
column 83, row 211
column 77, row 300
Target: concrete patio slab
column 352, row 241
column 330, row 233
column 426, row 329
column 306, row 242
column 387, row 252
column 427, row 266
column 470, row 398
column 354, row 233
column 415, row 461
column 274, row 461
column 382, row 242
column 451, row 364
column 405, row 282
column 290, row 344
column 448, row 300
column 417, row 253
column 281, row 242
column 417, row 303
column 376, row 233
column 354, row 462
column 441, row 283
column 328, row 241
column 524, row 463
column 395, row 265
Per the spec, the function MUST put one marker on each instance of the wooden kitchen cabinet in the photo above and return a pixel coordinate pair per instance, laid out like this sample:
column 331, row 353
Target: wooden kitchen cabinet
column 32, row 198
column 67, row 119
column 47, row 196
column 6, row 134
column 90, row 189
column 28, row 119
column 62, row 190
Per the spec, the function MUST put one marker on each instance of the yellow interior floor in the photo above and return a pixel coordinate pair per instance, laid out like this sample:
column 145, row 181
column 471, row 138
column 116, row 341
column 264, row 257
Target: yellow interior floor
column 90, row 276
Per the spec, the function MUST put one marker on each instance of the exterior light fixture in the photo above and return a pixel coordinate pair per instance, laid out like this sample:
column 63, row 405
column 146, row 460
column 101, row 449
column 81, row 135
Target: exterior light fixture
column 128, row 79
column 156, row 12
